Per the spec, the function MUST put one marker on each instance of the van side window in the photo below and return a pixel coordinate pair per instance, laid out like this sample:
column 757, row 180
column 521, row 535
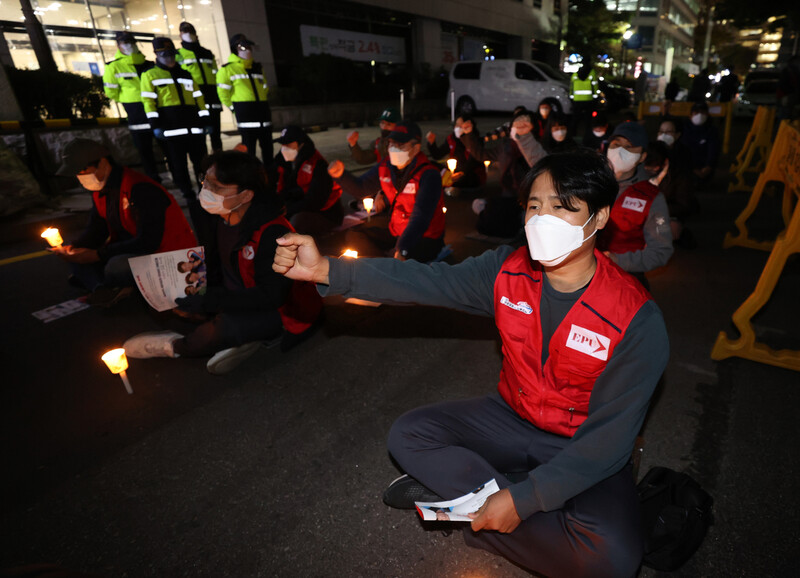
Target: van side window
column 467, row 71
column 526, row 72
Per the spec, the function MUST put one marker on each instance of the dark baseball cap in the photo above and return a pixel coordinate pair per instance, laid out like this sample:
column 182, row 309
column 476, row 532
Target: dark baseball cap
column 390, row 114
column 163, row 44
column 79, row 154
column 291, row 134
column 240, row 40
column 124, row 36
column 632, row 131
column 187, row 27
column 405, row 131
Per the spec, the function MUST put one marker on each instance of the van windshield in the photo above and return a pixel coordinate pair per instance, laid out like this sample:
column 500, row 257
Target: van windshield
column 551, row 72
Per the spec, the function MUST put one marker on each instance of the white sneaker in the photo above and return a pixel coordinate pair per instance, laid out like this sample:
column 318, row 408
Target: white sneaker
column 227, row 359
column 152, row 344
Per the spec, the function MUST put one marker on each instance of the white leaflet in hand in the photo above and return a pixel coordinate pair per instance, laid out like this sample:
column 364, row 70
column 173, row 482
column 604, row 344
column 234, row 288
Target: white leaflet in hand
column 457, row 510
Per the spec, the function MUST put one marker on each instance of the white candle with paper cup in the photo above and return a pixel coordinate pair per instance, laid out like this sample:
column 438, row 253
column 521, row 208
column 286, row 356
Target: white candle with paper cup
column 52, row 236
column 117, row 362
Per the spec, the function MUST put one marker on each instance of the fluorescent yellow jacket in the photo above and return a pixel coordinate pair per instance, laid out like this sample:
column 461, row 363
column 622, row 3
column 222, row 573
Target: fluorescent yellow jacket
column 584, row 90
column 241, row 81
column 172, row 101
column 121, row 77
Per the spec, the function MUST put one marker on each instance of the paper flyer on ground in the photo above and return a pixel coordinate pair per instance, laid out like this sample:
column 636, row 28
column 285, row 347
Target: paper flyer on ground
column 457, row 510
column 163, row 277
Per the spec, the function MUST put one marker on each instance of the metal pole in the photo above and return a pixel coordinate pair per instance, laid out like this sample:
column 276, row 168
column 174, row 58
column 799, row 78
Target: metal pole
column 452, row 105
column 402, row 101
column 707, row 45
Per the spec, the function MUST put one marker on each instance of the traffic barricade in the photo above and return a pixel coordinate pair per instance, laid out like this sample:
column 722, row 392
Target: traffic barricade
column 755, row 151
column 684, row 109
column 783, row 166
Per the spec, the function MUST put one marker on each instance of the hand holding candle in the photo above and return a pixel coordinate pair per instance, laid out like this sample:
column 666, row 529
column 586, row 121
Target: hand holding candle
column 118, row 363
column 52, row 236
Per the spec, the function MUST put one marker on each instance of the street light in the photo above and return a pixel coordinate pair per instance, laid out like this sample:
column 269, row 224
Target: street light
column 623, row 45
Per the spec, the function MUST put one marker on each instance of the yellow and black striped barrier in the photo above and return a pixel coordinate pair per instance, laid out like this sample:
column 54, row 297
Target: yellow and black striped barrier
column 783, row 166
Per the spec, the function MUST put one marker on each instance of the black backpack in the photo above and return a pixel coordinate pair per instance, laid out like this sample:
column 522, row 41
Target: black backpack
column 676, row 513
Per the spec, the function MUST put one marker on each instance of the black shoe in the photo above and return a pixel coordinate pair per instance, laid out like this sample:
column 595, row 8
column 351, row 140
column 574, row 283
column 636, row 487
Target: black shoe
column 107, row 296
column 404, row 491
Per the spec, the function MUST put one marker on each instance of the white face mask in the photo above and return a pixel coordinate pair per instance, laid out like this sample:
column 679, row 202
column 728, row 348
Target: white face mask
column 245, row 54
column 598, row 133
column 666, row 138
column 127, row 48
column 698, row 119
column 458, row 131
column 623, row 160
column 214, row 203
column 288, row 153
column 186, row 37
column 551, row 240
column 398, row 157
column 90, row 182
column 559, row 135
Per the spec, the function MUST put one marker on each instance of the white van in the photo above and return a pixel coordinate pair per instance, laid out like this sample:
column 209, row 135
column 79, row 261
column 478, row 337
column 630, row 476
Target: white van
column 503, row 84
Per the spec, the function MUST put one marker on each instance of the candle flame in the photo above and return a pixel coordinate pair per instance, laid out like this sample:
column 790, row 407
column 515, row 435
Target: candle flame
column 350, row 253
column 487, row 163
column 115, row 360
column 52, row 236
column 368, row 202
column 451, row 164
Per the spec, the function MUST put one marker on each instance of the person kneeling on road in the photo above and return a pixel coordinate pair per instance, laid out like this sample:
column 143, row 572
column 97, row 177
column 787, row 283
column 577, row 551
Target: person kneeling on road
column 410, row 188
column 246, row 302
column 583, row 348
column 131, row 215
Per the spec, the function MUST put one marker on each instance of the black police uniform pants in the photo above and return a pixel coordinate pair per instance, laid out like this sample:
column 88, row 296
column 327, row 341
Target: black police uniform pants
column 454, row 447
column 260, row 136
column 143, row 141
column 179, row 149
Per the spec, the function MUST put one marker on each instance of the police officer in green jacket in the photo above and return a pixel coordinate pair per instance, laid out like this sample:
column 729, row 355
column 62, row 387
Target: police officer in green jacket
column 201, row 63
column 242, row 88
column 584, row 90
column 121, row 84
column 177, row 111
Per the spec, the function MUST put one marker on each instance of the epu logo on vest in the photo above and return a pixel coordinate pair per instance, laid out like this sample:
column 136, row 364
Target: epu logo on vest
column 637, row 205
column 248, row 252
column 588, row 342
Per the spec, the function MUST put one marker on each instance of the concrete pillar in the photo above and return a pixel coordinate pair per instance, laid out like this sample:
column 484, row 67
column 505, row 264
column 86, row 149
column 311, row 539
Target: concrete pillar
column 427, row 42
column 9, row 108
column 519, row 47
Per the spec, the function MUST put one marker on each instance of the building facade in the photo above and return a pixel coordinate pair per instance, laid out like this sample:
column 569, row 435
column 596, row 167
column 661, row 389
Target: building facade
column 434, row 33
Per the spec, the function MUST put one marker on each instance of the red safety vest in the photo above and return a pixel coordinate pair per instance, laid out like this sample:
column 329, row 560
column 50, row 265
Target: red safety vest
column 177, row 232
column 304, row 304
column 376, row 146
column 555, row 398
column 403, row 204
column 304, row 174
column 625, row 229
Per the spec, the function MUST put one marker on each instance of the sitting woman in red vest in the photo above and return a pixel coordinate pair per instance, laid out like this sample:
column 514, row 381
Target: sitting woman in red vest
column 470, row 172
column 638, row 236
column 245, row 302
column 308, row 191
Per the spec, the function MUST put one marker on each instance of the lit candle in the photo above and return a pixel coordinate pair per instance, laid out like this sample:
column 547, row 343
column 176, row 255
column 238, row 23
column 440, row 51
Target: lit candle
column 451, row 164
column 444, row 209
column 486, row 164
column 368, row 202
column 53, row 237
column 350, row 253
column 118, row 363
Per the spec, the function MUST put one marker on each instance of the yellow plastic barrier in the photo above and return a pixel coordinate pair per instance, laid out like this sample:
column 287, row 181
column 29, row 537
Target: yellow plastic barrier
column 719, row 109
column 781, row 167
column 784, row 162
column 755, row 151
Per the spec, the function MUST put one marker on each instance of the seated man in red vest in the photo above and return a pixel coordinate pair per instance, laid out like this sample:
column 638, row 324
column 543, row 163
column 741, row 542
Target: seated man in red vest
column 638, row 237
column 409, row 187
column 245, row 301
column 583, row 348
column 310, row 195
column 131, row 215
